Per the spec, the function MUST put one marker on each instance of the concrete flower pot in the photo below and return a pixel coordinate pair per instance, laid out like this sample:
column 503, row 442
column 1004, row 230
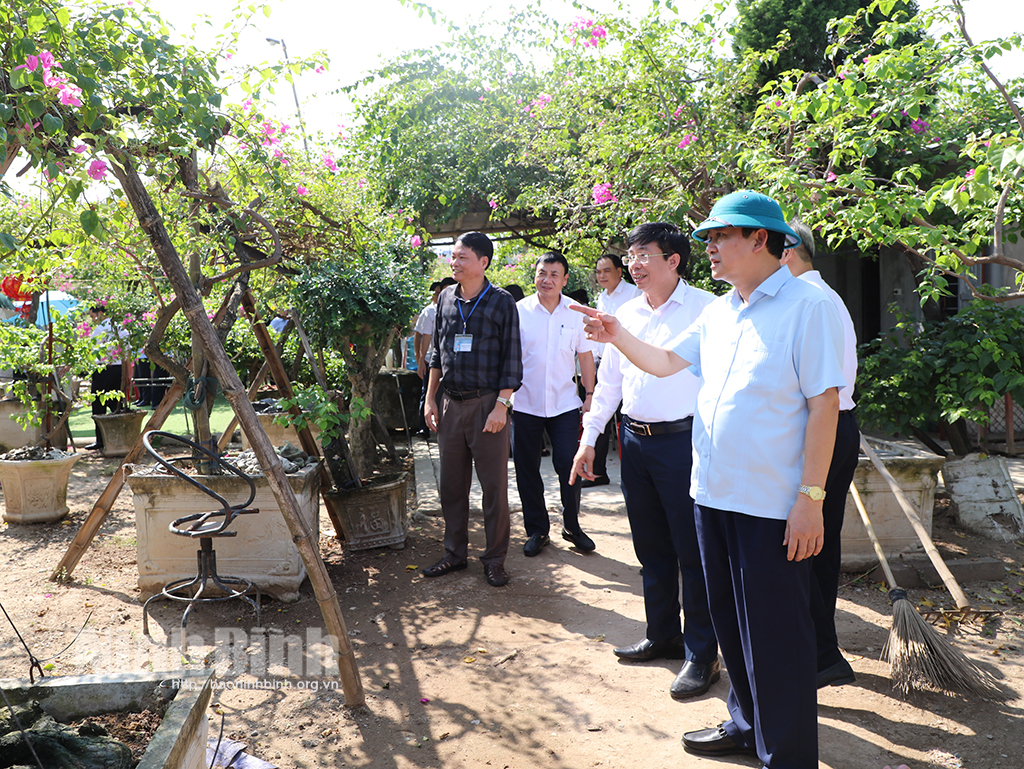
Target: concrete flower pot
column 36, row 491
column 917, row 474
column 262, row 551
column 119, row 431
column 179, row 742
column 374, row 515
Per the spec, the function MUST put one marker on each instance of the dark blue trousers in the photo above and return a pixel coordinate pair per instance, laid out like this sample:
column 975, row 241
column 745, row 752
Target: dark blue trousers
column 759, row 604
column 527, row 442
column 825, row 565
column 656, row 487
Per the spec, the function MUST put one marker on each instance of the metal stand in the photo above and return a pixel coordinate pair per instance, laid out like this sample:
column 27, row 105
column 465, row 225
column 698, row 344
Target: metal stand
column 205, row 527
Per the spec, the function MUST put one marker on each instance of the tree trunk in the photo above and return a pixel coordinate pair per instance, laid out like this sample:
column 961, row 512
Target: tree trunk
column 360, row 431
column 956, row 434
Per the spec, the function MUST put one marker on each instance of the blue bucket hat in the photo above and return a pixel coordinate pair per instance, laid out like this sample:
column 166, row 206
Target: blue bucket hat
column 746, row 208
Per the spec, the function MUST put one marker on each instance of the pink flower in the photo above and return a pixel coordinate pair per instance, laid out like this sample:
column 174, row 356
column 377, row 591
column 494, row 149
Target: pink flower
column 416, row 241
column 687, row 141
column 31, row 62
column 246, row 105
column 361, row 183
column 919, row 126
column 320, row 70
column 678, row 113
column 97, row 170
column 329, row 162
column 970, row 174
column 267, row 129
column 46, row 59
column 602, row 193
column 301, row 191
column 81, row 148
column 281, row 157
column 50, row 80
column 284, row 128
column 69, row 96
column 830, row 177
column 493, row 204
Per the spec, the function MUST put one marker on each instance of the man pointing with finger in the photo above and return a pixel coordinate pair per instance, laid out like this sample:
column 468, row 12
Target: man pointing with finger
column 769, row 353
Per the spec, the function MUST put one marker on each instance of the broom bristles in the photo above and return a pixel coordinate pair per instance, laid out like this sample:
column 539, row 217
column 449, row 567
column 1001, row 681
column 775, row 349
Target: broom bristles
column 919, row 655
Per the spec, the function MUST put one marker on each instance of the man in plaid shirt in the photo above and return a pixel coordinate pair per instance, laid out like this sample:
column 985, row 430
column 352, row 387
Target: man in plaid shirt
column 475, row 365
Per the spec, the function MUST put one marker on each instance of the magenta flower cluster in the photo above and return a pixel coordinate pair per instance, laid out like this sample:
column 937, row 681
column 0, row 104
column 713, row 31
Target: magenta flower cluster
column 590, row 31
column 602, row 193
column 70, row 95
column 537, row 104
column 687, row 141
column 919, row 126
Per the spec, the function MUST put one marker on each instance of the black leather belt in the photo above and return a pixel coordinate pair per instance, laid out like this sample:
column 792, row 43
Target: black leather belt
column 657, row 428
column 468, row 395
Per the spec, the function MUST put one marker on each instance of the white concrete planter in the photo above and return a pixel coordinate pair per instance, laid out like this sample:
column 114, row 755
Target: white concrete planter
column 119, row 431
column 262, row 552
column 179, row 742
column 36, row 491
column 984, row 498
column 278, row 434
column 375, row 515
column 917, row 474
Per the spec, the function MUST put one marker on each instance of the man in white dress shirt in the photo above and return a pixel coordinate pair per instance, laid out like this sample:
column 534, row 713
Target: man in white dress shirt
column 608, row 271
column 833, row 669
column 657, row 417
column 770, row 356
column 552, row 337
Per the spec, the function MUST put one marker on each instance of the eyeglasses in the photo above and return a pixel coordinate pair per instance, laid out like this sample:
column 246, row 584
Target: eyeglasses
column 628, row 258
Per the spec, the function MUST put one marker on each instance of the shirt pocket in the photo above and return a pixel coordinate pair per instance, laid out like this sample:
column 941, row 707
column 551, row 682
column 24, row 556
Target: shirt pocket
column 763, row 363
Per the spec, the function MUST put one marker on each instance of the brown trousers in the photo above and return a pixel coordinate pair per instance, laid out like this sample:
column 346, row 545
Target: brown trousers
column 462, row 443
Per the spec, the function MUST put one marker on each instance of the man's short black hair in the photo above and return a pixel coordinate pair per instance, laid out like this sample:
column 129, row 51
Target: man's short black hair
column 553, row 258
column 669, row 239
column 98, row 308
column 515, row 290
column 447, row 281
column 479, row 244
column 616, row 260
column 436, row 285
column 776, row 242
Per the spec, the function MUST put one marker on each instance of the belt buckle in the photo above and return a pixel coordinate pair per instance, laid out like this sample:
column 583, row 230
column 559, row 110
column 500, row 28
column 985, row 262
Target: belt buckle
column 642, row 428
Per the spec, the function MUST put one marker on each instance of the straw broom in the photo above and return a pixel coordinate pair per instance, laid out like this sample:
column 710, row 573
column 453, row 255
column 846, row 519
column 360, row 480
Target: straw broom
column 917, row 654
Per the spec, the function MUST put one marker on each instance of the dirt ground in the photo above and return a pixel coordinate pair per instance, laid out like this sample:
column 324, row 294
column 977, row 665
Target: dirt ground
column 460, row 674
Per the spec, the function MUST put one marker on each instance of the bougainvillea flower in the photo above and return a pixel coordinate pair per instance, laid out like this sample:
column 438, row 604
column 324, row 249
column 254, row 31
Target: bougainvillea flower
column 416, row 241
column 97, row 170
column 301, row 191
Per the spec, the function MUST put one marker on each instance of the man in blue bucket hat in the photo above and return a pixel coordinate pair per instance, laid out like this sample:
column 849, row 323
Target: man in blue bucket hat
column 769, row 353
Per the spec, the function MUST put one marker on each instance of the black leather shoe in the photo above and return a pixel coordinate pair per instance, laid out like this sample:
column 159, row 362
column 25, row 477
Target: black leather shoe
column 713, row 742
column 601, row 480
column 646, row 650
column 694, row 679
column 839, row 674
column 93, row 447
column 444, row 566
column 496, row 574
column 535, row 544
column 582, row 541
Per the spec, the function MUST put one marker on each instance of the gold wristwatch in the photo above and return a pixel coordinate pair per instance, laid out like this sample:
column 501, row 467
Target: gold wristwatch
column 814, row 492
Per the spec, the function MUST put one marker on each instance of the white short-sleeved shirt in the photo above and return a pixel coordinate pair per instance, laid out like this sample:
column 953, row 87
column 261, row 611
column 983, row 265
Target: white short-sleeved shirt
column 611, row 302
column 846, row 401
column 425, row 321
column 760, row 362
column 645, row 397
column 550, row 341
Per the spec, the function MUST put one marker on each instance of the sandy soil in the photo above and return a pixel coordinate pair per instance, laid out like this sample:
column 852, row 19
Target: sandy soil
column 459, row 674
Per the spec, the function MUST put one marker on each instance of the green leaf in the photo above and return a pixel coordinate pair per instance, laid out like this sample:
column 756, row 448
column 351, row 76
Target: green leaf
column 8, row 241
column 52, row 123
column 90, row 222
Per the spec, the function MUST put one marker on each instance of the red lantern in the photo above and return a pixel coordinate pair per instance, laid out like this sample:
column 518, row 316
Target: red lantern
column 13, row 287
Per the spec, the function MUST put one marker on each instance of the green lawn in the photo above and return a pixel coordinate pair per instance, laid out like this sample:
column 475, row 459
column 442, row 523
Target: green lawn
column 83, row 427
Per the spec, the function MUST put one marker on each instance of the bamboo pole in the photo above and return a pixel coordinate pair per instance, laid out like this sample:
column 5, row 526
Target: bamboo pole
column 192, row 307
column 922, row 533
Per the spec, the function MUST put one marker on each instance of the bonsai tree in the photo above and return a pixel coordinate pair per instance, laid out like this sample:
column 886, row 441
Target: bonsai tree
column 943, row 373
column 359, row 303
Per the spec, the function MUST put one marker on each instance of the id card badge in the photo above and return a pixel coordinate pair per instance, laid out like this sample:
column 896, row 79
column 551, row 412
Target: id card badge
column 463, row 343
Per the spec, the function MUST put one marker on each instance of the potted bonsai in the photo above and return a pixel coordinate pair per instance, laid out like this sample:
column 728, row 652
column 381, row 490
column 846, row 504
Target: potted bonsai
column 946, row 373
column 360, row 302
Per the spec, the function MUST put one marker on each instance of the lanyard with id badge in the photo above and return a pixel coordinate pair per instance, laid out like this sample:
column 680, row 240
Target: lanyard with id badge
column 464, row 341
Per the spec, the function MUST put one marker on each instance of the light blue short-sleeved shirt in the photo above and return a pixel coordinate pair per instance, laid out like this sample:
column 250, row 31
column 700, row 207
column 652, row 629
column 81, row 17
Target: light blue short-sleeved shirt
column 760, row 362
